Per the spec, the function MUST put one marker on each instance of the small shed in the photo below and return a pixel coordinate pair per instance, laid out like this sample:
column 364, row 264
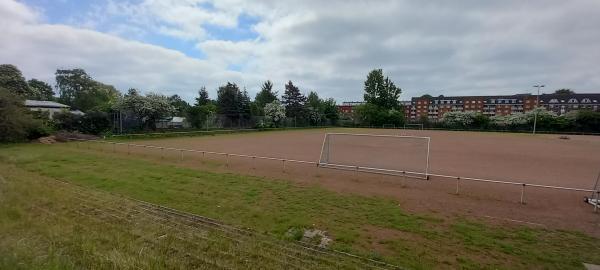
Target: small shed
column 46, row 106
column 174, row 122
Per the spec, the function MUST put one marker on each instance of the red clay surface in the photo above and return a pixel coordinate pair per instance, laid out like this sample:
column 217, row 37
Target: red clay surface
column 540, row 159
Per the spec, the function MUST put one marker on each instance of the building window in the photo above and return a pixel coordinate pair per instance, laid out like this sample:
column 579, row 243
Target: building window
column 586, row 100
column 572, row 100
column 554, row 100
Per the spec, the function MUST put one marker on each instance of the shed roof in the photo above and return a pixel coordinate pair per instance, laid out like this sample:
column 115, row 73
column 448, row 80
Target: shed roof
column 44, row 104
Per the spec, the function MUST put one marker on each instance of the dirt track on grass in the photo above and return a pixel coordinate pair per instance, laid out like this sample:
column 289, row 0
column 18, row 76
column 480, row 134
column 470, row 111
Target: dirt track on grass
column 540, row 159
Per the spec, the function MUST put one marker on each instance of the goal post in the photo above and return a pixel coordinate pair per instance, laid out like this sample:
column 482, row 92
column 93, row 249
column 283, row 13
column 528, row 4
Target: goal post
column 413, row 126
column 372, row 153
column 594, row 198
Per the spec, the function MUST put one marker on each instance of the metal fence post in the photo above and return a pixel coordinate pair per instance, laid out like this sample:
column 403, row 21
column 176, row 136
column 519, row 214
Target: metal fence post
column 128, row 149
column 114, row 147
column 522, row 193
column 457, row 184
column 162, row 153
column 227, row 157
column 283, row 165
column 181, row 155
column 597, row 201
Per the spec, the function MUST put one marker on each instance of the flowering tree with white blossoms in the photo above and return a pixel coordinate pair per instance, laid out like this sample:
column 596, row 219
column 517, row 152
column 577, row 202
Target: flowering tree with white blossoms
column 464, row 119
column 524, row 119
column 274, row 113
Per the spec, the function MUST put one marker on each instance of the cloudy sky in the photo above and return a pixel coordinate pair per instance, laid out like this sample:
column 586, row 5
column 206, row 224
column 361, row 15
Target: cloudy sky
column 467, row 47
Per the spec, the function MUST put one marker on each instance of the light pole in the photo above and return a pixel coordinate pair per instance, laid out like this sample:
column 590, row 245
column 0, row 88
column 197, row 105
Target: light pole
column 537, row 103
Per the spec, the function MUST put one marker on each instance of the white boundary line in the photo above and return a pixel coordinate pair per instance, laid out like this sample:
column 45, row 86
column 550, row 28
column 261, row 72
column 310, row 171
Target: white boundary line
column 523, row 184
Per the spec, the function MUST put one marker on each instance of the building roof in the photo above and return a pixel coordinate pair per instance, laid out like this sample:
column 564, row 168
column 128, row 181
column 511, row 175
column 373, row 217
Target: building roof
column 177, row 119
column 543, row 97
column 44, row 104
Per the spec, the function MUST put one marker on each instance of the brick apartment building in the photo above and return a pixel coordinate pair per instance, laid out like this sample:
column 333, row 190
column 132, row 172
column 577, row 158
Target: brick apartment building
column 349, row 106
column 435, row 107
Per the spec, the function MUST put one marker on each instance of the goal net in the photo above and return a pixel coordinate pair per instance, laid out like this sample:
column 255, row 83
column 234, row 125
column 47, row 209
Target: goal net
column 383, row 154
column 413, row 126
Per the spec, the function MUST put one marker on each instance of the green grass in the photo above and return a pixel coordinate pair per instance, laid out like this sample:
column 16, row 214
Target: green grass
column 274, row 207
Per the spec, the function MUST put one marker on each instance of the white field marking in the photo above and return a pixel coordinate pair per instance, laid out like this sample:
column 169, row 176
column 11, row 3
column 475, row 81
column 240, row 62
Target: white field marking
column 517, row 221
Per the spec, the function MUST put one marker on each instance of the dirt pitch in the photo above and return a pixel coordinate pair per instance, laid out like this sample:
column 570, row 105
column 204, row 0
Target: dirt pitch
column 539, row 159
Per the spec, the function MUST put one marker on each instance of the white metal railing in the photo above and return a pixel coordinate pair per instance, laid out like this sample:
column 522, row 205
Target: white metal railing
column 349, row 167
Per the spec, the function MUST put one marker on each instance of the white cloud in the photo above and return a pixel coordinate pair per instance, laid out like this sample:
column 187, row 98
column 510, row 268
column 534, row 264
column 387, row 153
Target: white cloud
column 439, row 47
column 39, row 49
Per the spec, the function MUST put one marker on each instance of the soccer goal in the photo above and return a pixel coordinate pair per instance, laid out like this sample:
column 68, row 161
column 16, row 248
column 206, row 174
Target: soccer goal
column 388, row 126
column 594, row 199
column 382, row 154
column 413, row 126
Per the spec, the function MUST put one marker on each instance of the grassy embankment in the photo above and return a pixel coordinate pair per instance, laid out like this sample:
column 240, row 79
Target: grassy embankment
column 373, row 227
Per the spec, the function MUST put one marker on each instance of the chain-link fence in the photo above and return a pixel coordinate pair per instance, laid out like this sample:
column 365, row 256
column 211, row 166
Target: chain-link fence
column 123, row 123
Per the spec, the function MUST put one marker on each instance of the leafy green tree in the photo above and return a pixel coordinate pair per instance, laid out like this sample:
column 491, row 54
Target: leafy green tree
column 95, row 122
column 314, row 108
column 197, row 115
column 427, row 96
column 265, row 95
column 381, row 91
column 294, row 101
column 16, row 122
column 564, row 91
column 78, row 90
column 232, row 102
column 202, row 98
column 330, row 110
column 12, row 80
column 313, row 100
column 204, row 107
column 371, row 114
column 41, row 90
column 180, row 105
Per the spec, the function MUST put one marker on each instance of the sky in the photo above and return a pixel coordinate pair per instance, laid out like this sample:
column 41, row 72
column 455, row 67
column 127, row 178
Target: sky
column 461, row 47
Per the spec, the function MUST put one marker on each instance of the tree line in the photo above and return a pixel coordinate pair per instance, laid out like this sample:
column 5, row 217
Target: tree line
column 100, row 102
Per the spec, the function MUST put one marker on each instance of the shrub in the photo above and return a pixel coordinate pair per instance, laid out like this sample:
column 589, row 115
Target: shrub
column 586, row 120
column 16, row 122
column 95, row 122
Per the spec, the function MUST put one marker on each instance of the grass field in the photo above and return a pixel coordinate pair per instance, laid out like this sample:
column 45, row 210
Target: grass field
column 43, row 226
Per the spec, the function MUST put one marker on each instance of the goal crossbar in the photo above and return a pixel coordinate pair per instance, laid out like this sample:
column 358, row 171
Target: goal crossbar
column 417, row 125
column 370, row 169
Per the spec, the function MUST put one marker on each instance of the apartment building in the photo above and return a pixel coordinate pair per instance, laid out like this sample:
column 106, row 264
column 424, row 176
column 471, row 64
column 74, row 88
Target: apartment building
column 348, row 107
column 435, row 107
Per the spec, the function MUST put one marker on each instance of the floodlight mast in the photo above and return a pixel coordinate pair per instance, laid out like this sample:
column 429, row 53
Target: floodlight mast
column 537, row 104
